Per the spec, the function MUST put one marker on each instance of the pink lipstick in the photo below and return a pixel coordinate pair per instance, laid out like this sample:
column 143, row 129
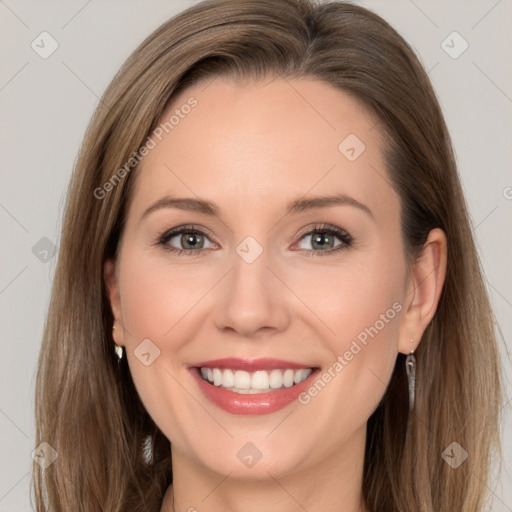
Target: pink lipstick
column 252, row 386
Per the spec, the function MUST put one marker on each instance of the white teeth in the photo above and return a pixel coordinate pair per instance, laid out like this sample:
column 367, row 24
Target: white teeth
column 288, row 378
column 242, row 380
column 217, row 377
column 300, row 375
column 276, row 379
column 259, row 381
column 228, row 378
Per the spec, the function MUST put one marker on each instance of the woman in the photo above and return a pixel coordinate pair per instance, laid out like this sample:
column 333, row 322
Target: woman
column 198, row 355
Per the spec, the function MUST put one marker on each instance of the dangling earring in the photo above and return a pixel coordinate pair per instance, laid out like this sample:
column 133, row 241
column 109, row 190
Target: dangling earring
column 410, row 368
column 119, row 351
column 118, row 348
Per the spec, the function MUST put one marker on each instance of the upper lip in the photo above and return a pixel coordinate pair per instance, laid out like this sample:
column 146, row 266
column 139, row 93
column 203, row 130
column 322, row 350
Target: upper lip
column 250, row 365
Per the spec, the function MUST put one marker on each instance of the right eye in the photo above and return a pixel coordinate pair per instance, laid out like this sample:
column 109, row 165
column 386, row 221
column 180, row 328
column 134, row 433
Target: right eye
column 191, row 240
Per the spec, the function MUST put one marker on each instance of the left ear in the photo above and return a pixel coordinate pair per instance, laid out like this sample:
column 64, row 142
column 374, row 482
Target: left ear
column 424, row 289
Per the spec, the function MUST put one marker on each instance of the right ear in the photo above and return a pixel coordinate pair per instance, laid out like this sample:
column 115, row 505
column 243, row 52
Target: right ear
column 114, row 298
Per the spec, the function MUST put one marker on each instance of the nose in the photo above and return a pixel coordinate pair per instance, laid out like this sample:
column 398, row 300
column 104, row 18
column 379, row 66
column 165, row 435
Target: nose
column 252, row 300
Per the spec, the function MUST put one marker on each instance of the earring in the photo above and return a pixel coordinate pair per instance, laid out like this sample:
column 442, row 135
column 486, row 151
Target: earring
column 118, row 348
column 410, row 368
column 119, row 351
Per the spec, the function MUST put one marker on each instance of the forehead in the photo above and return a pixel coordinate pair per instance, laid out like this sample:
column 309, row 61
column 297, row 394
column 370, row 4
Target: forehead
column 258, row 144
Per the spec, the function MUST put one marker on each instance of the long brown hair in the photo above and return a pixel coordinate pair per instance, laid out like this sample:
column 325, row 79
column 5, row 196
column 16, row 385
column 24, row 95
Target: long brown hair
column 87, row 408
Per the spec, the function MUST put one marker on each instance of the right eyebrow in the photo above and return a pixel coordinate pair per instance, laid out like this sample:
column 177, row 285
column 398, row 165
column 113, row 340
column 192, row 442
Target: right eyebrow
column 183, row 203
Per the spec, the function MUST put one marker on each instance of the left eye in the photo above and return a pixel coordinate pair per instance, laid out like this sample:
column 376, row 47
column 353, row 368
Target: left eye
column 324, row 239
column 321, row 240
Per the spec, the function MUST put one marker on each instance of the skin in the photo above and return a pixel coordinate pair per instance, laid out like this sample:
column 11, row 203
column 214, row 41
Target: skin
column 251, row 149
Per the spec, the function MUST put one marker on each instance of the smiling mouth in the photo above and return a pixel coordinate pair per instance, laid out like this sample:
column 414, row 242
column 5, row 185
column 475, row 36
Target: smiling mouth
column 260, row 381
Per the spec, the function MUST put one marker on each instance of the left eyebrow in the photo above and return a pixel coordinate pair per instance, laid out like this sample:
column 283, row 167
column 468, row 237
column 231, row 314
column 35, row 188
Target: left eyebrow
column 302, row 204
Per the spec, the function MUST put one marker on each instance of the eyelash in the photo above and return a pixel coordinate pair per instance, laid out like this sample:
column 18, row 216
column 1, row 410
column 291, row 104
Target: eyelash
column 345, row 238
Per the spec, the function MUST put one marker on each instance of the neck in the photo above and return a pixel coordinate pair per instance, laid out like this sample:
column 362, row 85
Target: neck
column 334, row 483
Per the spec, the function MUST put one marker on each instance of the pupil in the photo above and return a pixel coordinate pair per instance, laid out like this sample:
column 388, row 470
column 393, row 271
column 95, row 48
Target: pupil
column 190, row 240
column 320, row 239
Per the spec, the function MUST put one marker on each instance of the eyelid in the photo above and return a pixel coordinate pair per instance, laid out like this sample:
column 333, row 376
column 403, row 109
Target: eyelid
column 170, row 233
column 322, row 228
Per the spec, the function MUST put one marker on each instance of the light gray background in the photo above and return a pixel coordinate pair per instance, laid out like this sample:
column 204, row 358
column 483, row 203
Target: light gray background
column 46, row 105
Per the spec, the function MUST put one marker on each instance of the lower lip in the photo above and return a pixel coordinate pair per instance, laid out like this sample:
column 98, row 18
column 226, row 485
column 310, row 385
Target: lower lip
column 256, row 404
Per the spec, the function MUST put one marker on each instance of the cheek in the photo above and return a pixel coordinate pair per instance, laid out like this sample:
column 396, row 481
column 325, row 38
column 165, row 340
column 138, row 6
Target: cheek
column 359, row 308
column 360, row 299
column 160, row 303
column 156, row 297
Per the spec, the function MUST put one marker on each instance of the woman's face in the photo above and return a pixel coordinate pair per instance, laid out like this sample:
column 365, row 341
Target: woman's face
column 264, row 301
